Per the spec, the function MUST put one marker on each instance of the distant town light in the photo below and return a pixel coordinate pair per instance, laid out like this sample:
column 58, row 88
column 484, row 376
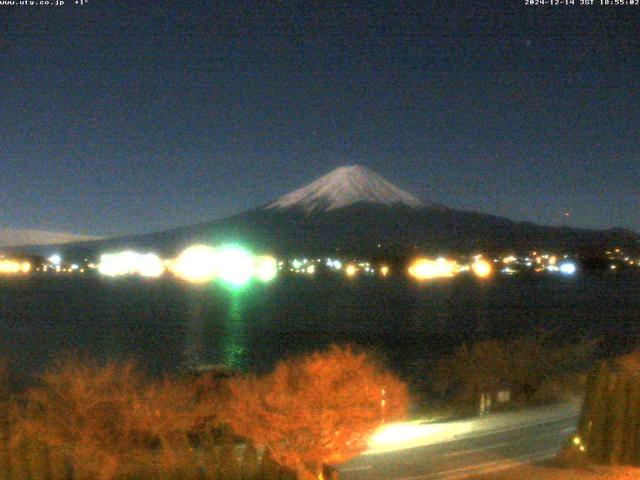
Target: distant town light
column 426, row 269
column 266, row 268
column 481, row 268
column 8, row 266
column 384, row 270
column 568, row 268
column 150, row 265
column 116, row 264
column 128, row 263
column 55, row 259
column 196, row 264
column 235, row 265
column 351, row 270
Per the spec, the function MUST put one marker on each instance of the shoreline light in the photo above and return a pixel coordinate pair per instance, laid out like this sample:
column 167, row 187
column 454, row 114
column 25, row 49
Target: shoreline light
column 351, row 270
column 196, row 264
column 117, row 264
column 481, row 268
column 150, row 265
column 235, row 265
column 266, row 268
column 14, row 267
column 130, row 263
column 568, row 268
column 55, row 259
column 427, row 269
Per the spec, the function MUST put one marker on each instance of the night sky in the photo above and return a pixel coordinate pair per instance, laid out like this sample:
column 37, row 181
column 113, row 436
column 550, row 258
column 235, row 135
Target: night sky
column 130, row 116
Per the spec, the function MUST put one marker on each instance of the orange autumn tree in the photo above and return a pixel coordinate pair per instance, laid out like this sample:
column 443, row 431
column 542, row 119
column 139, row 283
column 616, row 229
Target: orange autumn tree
column 78, row 411
column 318, row 409
column 108, row 421
column 170, row 411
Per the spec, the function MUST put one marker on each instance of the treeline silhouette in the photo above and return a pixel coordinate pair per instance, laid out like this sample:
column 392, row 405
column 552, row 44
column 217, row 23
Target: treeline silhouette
column 533, row 368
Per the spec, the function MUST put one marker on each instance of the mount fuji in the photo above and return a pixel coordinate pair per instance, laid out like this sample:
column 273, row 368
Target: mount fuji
column 343, row 187
column 355, row 211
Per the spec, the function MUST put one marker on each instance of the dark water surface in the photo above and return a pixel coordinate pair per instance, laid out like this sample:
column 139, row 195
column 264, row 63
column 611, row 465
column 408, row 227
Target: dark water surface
column 166, row 325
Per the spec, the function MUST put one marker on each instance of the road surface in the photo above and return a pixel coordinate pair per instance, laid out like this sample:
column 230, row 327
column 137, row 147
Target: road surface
column 415, row 451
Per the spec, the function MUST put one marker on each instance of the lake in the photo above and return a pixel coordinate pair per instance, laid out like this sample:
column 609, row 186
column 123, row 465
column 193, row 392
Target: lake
column 166, row 325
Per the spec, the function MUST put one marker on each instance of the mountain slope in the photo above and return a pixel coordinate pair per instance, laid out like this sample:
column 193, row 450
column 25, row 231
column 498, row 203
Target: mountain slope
column 10, row 237
column 366, row 230
column 355, row 211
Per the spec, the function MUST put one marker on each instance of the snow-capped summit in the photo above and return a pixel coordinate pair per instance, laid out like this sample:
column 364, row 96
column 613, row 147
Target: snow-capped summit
column 343, row 187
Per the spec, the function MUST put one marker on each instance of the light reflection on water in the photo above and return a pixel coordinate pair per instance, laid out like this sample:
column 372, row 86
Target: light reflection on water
column 226, row 344
column 168, row 325
column 234, row 348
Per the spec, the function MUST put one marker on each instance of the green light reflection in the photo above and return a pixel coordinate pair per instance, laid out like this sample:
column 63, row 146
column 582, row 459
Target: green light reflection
column 234, row 346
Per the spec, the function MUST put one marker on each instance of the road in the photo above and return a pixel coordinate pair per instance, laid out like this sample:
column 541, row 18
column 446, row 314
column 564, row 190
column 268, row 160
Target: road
column 415, row 451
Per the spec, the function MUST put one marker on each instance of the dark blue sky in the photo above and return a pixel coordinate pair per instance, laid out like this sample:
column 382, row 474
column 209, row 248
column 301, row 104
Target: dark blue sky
column 122, row 116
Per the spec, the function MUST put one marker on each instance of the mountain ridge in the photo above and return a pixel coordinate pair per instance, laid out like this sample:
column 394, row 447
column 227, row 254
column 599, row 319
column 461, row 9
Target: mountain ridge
column 356, row 213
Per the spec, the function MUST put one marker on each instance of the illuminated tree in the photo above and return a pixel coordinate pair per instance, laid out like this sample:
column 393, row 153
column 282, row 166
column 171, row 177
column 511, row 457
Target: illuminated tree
column 317, row 409
column 107, row 420
column 4, row 423
column 164, row 414
column 77, row 412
